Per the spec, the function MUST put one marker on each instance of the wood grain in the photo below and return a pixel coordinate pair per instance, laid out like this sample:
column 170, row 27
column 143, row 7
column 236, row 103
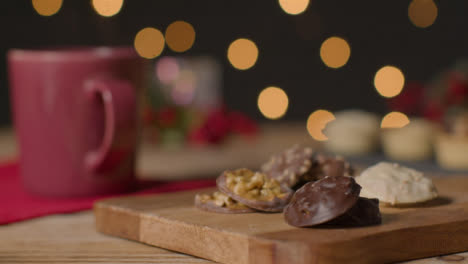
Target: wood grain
column 170, row 221
column 72, row 239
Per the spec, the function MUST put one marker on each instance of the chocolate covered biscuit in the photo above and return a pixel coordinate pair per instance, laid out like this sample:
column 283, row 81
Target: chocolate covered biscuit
column 290, row 166
column 331, row 166
column 321, row 201
column 364, row 213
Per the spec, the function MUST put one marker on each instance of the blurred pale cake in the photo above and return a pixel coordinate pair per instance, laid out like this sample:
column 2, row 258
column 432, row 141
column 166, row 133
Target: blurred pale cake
column 412, row 142
column 353, row 132
column 451, row 145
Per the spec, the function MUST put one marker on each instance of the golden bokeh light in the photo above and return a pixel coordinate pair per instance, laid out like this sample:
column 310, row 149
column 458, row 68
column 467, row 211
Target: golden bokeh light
column 180, row 36
column 107, row 8
column 149, row 43
column 394, row 120
column 273, row 102
column 335, row 52
column 317, row 122
column 242, row 53
column 389, row 81
column 422, row 13
column 47, row 7
column 294, row 7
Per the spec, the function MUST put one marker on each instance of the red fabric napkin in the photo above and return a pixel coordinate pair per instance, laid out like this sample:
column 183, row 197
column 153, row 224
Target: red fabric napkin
column 16, row 204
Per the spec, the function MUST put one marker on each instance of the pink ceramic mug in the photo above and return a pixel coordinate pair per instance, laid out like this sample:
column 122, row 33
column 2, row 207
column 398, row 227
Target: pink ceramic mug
column 75, row 116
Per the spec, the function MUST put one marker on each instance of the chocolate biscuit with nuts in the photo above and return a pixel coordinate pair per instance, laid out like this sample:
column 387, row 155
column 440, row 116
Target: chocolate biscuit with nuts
column 254, row 189
column 290, row 166
column 330, row 166
column 220, row 203
column 321, row 201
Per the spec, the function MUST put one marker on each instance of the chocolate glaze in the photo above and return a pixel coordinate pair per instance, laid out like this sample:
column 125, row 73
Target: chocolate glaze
column 333, row 167
column 290, row 166
column 364, row 213
column 323, row 166
column 321, row 201
column 298, row 165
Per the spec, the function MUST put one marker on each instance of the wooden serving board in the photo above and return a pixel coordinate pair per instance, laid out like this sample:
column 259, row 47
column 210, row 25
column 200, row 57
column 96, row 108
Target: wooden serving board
column 170, row 221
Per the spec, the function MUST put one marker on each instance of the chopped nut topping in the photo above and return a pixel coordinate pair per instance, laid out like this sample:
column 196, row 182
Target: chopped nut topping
column 253, row 185
column 221, row 200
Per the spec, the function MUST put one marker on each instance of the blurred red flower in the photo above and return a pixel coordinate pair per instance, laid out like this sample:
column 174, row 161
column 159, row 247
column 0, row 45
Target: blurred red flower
column 410, row 101
column 167, row 117
column 457, row 90
column 434, row 110
column 218, row 124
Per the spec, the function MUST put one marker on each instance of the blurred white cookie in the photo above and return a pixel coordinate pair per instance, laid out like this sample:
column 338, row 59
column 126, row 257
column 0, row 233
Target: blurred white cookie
column 412, row 142
column 395, row 184
column 353, row 132
column 452, row 143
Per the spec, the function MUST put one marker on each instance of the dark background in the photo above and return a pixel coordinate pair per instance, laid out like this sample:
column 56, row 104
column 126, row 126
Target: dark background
column 379, row 33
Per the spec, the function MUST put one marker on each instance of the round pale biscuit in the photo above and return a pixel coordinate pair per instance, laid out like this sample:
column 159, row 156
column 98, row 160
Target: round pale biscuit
column 410, row 143
column 395, row 185
column 353, row 132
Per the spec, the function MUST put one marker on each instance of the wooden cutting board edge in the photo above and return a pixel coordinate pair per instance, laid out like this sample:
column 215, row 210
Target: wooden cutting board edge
column 153, row 230
column 130, row 224
column 437, row 241
column 198, row 241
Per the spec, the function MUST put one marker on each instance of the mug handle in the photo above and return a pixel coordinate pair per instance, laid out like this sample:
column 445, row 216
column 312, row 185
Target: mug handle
column 118, row 97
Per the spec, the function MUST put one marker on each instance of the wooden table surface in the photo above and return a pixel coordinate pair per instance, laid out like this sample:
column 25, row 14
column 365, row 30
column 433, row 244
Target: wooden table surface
column 72, row 238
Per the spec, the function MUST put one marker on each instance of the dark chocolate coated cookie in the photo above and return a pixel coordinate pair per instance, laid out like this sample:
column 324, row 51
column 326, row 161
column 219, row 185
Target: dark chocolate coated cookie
column 321, row 201
column 365, row 212
column 290, row 166
column 331, row 166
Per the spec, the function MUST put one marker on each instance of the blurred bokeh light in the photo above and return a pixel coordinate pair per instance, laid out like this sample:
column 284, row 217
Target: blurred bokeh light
column 422, row 13
column 107, row 8
column 149, row 43
column 47, row 7
column 317, row 122
column 242, row 54
column 394, row 120
column 335, row 52
column 180, row 36
column 273, row 102
column 389, row 81
column 294, row 7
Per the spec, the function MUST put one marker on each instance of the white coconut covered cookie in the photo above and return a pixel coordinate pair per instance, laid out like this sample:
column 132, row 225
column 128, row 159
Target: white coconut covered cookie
column 395, row 185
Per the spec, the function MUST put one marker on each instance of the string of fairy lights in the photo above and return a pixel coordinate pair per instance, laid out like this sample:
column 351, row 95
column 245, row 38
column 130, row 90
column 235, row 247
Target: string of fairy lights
column 242, row 54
